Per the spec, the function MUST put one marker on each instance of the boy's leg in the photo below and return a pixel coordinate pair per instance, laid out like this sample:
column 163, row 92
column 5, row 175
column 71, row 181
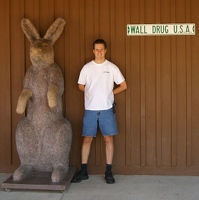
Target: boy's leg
column 109, row 159
column 82, row 174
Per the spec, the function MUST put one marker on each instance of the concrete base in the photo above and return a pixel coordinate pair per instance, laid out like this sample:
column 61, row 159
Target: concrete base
column 39, row 181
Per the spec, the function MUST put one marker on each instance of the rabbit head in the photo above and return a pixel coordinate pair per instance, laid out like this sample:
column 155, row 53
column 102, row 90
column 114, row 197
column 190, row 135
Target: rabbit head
column 41, row 49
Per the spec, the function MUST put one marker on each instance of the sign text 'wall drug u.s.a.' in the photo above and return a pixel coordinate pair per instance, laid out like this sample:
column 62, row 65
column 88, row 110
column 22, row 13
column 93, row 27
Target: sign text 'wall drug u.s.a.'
column 160, row 29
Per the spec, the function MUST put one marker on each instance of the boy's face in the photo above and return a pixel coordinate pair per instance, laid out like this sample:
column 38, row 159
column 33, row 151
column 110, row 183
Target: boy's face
column 99, row 51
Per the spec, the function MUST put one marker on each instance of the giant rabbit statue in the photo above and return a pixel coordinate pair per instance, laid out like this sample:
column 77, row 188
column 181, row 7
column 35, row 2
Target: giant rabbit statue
column 43, row 137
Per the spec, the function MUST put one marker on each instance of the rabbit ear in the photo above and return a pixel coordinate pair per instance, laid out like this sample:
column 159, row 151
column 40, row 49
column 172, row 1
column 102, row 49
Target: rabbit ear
column 29, row 30
column 55, row 30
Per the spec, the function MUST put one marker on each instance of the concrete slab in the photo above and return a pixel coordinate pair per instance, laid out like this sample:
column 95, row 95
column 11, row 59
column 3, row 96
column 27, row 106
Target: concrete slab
column 136, row 188
column 127, row 187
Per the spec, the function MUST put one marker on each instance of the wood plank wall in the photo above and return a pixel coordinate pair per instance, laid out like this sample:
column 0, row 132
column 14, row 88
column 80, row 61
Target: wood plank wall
column 158, row 116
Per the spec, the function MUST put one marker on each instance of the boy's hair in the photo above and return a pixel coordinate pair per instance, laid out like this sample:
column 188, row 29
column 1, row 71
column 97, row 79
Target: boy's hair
column 99, row 41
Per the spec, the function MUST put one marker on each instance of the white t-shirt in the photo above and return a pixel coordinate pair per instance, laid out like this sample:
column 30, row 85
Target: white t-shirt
column 99, row 82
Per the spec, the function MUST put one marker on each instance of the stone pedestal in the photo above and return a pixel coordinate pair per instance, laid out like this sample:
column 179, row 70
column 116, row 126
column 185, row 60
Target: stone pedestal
column 39, row 181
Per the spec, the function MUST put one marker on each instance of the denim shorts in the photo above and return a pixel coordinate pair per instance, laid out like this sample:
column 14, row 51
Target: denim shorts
column 103, row 119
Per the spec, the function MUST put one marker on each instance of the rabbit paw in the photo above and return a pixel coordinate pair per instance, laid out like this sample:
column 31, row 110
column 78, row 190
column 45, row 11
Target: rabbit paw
column 20, row 108
column 22, row 101
column 52, row 102
column 52, row 95
column 58, row 174
column 21, row 172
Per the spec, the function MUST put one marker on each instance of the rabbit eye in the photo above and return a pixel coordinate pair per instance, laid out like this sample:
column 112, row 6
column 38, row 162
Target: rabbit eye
column 45, row 45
